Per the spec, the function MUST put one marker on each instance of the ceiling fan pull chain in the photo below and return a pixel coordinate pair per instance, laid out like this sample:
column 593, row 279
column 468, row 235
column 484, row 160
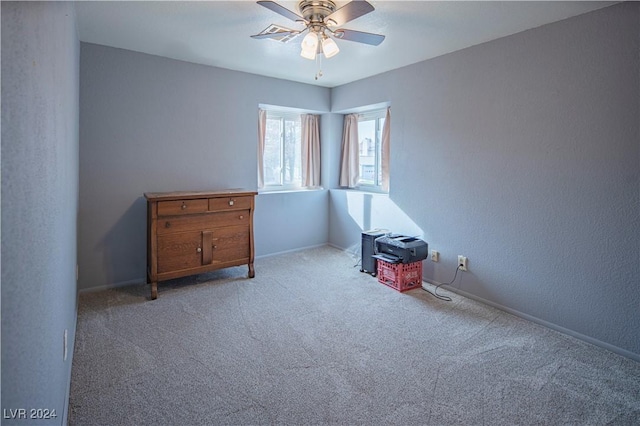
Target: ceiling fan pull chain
column 319, row 65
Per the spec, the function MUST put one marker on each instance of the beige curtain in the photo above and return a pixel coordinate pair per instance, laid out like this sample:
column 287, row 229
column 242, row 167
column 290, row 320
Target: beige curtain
column 386, row 150
column 310, row 150
column 262, row 126
column 349, row 165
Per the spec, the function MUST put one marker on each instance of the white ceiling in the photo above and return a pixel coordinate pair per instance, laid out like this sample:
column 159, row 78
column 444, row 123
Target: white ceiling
column 217, row 33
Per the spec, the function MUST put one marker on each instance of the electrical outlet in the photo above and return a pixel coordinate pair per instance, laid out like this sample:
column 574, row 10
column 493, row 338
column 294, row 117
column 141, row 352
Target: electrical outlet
column 463, row 263
column 435, row 256
column 64, row 338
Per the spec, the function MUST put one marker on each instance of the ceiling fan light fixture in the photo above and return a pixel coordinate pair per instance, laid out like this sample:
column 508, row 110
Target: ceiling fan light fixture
column 329, row 47
column 310, row 42
column 308, row 54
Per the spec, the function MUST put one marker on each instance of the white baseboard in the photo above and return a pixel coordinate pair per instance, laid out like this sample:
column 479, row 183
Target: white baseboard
column 337, row 247
column 552, row 326
column 71, row 345
column 113, row 285
column 262, row 256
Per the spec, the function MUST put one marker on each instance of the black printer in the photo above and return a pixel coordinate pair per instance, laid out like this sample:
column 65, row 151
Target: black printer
column 394, row 248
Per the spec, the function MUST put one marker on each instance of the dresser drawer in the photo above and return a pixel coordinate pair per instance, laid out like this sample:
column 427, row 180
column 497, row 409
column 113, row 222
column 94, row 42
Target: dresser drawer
column 179, row 207
column 229, row 203
column 185, row 223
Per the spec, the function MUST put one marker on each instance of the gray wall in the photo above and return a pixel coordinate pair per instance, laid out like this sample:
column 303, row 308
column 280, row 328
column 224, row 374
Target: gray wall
column 290, row 221
column 154, row 124
column 524, row 155
column 40, row 62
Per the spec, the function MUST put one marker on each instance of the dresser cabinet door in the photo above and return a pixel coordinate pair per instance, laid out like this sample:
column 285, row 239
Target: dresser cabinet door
column 179, row 251
column 228, row 244
column 184, row 250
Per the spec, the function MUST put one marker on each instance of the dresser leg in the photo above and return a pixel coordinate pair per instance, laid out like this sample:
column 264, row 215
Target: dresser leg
column 252, row 272
column 154, row 290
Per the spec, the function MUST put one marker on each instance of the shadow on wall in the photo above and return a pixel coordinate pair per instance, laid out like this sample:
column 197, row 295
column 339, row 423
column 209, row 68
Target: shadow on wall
column 124, row 246
column 352, row 212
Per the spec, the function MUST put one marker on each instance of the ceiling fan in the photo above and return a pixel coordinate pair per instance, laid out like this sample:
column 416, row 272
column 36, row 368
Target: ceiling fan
column 320, row 18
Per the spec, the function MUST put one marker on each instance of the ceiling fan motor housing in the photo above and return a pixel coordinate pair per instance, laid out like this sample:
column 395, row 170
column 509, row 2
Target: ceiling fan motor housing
column 315, row 11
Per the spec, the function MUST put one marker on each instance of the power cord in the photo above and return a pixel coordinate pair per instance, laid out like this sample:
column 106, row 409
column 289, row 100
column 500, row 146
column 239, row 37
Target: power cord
column 435, row 294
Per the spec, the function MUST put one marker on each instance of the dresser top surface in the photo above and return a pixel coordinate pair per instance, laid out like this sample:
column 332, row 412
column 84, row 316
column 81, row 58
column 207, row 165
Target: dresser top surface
column 178, row 195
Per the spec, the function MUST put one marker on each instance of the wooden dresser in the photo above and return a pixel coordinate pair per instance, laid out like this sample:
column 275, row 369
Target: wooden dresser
column 191, row 233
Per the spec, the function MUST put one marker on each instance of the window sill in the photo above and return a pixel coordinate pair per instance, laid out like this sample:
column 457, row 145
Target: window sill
column 288, row 191
column 362, row 191
column 370, row 190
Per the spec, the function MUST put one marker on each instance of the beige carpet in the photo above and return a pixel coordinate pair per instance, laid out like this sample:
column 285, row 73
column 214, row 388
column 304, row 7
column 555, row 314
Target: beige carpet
column 311, row 340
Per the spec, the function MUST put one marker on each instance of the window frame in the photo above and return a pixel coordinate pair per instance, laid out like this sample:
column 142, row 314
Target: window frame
column 285, row 115
column 379, row 115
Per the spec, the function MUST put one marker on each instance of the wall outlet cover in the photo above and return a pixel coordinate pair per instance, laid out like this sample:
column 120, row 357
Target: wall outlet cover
column 463, row 263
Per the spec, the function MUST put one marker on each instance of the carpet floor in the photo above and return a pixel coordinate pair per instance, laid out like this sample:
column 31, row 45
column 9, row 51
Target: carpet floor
column 311, row 340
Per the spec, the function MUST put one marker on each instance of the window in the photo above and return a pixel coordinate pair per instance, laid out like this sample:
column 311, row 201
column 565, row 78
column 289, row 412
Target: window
column 370, row 125
column 288, row 149
column 366, row 152
column 282, row 145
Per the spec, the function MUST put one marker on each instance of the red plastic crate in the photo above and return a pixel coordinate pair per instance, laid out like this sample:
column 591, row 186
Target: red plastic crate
column 400, row 276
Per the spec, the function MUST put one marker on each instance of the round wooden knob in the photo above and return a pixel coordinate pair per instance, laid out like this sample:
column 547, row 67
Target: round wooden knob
column 241, row 217
column 167, row 225
column 184, row 206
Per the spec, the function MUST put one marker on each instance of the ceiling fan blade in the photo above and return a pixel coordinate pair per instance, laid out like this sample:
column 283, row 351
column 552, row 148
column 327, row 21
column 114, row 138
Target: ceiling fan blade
column 359, row 36
column 275, row 34
column 275, row 7
column 349, row 12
